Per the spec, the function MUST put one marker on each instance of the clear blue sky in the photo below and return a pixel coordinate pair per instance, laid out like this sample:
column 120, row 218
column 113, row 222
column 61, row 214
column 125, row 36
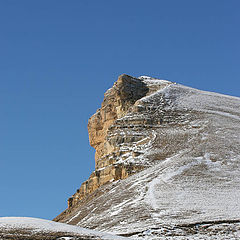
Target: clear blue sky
column 58, row 57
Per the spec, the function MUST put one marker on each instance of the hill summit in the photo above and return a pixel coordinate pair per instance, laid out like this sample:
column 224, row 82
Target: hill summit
column 166, row 165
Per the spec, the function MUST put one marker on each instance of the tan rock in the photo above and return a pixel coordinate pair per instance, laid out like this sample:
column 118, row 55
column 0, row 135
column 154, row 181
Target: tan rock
column 103, row 136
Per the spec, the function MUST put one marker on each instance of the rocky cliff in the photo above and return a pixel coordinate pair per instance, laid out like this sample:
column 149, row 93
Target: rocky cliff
column 167, row 163
column 116, row 139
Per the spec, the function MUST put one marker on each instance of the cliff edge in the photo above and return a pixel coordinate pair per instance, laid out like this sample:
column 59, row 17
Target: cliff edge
column 167, row 163
column 120, row 132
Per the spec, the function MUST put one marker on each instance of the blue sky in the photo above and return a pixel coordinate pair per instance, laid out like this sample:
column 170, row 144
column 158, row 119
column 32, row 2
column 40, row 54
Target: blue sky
column 58, row 57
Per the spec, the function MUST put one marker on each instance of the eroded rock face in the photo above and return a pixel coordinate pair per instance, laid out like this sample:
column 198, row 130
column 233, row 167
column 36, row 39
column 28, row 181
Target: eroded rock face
column 122, row 130
column 187, row 143
column 107, row 134
column 117, row 102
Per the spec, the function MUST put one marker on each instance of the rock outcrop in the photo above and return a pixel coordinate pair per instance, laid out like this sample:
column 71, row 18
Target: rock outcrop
column 114, row 137
column 167, row 163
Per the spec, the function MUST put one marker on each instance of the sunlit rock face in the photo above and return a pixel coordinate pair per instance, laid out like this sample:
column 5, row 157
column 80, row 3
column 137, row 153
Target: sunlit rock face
column 167, row 160
column 120, row 131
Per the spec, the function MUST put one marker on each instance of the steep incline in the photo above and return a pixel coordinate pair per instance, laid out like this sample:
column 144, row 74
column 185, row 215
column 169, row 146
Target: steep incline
column 118, row 139
column 183, row 145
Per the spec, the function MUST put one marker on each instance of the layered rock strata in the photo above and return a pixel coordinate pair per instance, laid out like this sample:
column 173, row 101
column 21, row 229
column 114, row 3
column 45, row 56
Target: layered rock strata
column 121, row 130
column 188, row 142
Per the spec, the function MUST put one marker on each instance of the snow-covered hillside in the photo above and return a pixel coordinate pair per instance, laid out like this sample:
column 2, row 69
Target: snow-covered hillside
column 189, row 144
column 33, row 228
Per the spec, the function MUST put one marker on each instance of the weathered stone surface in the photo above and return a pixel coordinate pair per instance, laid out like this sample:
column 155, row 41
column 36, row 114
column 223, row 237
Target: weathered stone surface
column 103, row 135
column 122, row 129
column 117, row 101
column 183, row 146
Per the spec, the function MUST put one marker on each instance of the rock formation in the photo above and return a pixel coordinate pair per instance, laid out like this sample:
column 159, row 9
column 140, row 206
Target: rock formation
column 167, row 163
column 116, row 138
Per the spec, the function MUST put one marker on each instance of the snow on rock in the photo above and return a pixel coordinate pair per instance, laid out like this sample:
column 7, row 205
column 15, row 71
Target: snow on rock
column 187, row 142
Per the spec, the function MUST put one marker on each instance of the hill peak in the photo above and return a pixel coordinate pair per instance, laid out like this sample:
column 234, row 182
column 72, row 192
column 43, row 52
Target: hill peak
column 166, row 155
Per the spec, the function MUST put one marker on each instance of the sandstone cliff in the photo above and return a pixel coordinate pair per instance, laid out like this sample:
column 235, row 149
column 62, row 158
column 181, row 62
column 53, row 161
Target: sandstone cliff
column 167, row 163
column 118, row 140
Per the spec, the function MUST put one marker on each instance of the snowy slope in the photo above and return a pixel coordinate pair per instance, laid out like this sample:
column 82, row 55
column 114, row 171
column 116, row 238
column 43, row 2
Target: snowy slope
column 191, row 187
column 33, row 228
